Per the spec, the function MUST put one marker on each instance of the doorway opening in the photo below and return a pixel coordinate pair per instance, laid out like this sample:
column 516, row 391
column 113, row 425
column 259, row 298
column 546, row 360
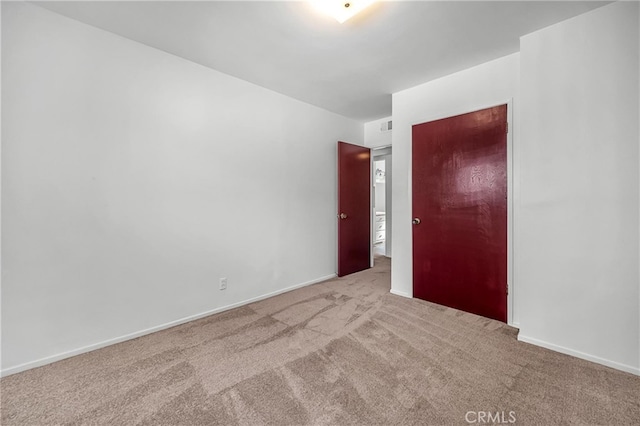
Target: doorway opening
column 380, row 203
column 379, row 208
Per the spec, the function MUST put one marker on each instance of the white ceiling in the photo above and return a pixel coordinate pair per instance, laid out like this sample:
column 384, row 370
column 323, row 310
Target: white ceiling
column 352, row 68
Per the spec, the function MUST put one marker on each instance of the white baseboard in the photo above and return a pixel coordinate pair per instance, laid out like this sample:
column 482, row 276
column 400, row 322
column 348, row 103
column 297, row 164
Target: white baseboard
column 48, row 360
column 582, row 355
column 400, row 293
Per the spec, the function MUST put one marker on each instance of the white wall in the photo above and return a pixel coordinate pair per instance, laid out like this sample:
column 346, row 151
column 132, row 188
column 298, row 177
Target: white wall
column 578, row 252
column 388, row 190
column 373, row 137
column 133, row 180
column 486, row 85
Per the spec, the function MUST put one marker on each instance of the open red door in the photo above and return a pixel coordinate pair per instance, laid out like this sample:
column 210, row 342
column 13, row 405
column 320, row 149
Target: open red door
column 354, row 208
column 460, row 212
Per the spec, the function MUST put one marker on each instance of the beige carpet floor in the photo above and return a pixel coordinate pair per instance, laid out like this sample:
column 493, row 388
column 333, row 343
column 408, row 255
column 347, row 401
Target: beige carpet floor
column 345, row 351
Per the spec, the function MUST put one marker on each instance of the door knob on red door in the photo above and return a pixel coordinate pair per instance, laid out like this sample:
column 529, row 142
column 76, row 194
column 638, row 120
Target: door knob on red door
column 416, row 221
column 342, row 216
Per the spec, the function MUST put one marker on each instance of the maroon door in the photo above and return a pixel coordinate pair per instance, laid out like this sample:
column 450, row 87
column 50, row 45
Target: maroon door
column 354, row 208
column 460, row 212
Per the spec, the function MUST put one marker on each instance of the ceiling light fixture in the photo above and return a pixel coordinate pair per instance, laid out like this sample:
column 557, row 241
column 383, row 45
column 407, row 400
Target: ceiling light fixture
column 341, row 10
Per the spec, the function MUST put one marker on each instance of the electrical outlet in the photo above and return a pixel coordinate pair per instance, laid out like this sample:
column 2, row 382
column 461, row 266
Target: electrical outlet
column 223, row 283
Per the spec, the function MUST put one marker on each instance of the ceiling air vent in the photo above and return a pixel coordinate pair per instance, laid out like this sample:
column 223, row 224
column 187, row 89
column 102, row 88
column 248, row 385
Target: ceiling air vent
column 386, row 126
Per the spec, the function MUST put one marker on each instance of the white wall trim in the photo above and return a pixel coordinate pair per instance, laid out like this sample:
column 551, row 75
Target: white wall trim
column 578, row 354
column 50, row 359
column 401, row 293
